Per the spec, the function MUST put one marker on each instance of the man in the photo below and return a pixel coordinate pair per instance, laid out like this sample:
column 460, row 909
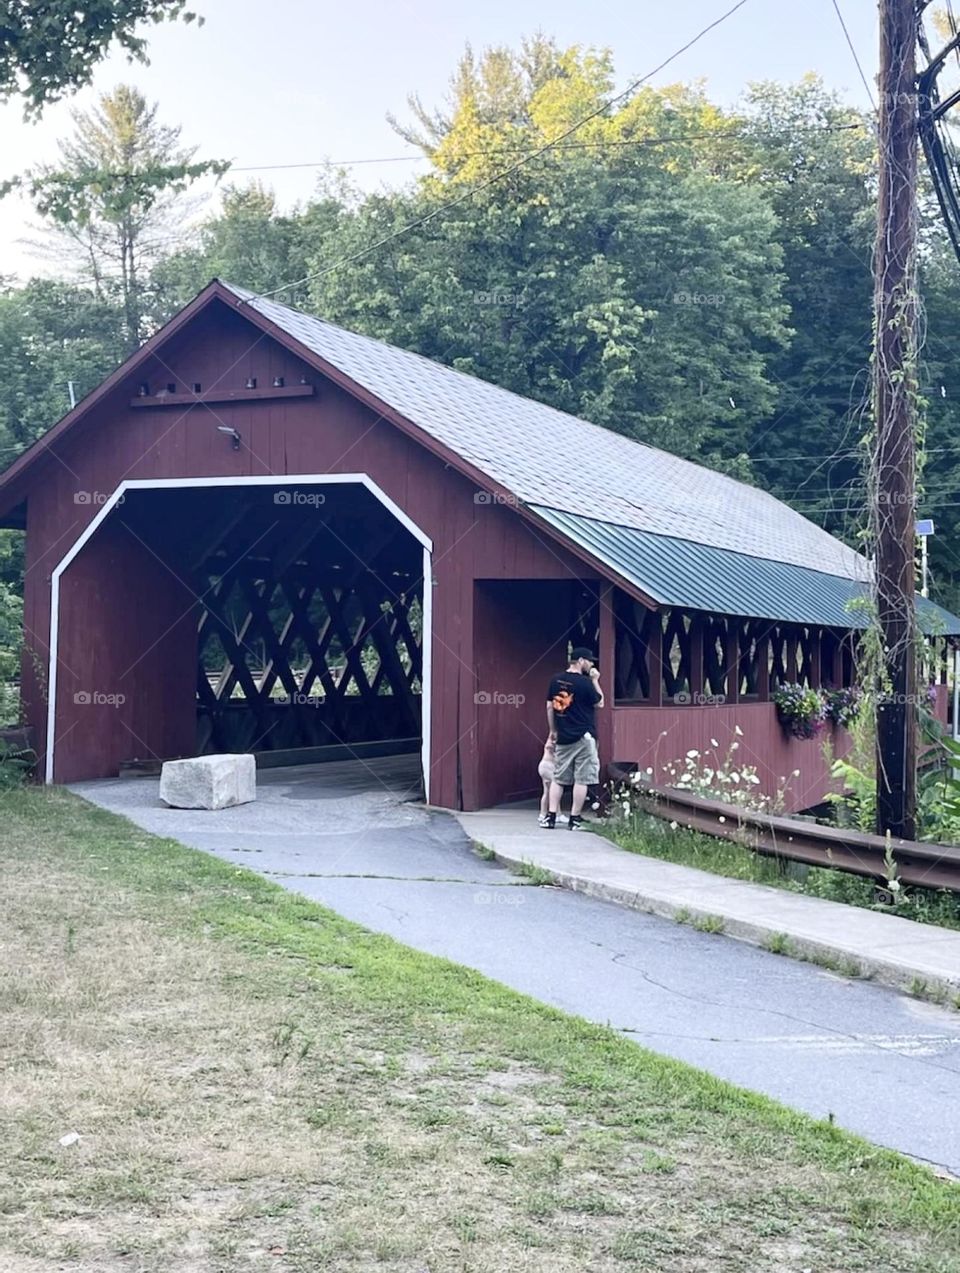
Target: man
column 572, row 700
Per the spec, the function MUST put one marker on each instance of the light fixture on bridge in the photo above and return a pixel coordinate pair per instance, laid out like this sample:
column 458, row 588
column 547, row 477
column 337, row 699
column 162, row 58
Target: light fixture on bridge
column 234, row 436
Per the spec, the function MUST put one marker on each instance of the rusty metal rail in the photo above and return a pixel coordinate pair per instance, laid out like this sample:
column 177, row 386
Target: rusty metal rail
column 919, row 864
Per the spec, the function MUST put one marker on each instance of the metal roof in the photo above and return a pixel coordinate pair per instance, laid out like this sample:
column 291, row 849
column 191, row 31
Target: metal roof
column 678, row 572
column 546, row 457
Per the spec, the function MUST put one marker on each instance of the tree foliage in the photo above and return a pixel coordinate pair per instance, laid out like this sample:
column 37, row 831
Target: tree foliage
column 50, row 47
column 51, row 333
column 115, row 195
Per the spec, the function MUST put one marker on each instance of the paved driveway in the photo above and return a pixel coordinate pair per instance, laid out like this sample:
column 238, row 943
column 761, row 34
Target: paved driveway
column 344, row 834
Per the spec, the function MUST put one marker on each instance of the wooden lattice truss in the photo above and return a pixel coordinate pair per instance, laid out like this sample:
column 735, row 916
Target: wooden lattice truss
column 308, row 611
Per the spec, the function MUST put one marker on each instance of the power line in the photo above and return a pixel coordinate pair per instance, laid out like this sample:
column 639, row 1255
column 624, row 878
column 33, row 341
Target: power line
column 709, row 134
column 850, row 45
column 507, row 172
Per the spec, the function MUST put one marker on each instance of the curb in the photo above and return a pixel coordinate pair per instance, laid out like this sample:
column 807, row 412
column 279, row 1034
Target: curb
column 838, row 959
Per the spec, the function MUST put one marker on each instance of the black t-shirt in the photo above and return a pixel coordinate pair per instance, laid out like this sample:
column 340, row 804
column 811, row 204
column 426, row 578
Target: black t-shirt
column 574, row 698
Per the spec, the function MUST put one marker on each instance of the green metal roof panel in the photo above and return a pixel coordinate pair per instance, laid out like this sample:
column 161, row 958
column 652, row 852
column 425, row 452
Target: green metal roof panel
column 678, row 572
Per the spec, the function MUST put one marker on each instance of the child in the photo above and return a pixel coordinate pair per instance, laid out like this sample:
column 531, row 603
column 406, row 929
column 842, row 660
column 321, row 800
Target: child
column 545, row 770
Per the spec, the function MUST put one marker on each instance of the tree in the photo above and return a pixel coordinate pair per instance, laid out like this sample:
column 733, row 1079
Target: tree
column 812, row 160
column 50, row 48
column 114, row 197
column 249, row 243
column 51, row 333
column 611, row 279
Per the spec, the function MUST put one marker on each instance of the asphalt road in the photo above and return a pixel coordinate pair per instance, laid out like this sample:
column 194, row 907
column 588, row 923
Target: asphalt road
column 884, row 1065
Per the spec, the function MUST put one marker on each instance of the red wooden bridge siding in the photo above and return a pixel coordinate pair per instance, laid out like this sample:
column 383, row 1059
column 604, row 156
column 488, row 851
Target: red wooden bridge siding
column 502, row 591
column 117, row 602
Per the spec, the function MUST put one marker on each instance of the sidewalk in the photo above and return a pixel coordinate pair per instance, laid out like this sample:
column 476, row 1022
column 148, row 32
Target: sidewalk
column 919, row 958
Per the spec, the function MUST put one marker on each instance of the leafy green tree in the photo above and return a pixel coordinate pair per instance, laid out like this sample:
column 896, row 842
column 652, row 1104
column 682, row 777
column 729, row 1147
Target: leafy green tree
column 940, row 387
column 114, row 200
column 51, row 333
column 51, row 48
column 812, row 160
column 614, row 281
column 249, row 243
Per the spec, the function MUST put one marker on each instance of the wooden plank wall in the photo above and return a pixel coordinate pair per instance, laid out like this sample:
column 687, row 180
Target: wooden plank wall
column 327, row 433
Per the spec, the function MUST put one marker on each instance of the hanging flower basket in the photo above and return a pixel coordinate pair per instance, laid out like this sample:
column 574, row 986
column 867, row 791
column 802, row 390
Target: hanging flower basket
column 802, row 712
column 842, row 706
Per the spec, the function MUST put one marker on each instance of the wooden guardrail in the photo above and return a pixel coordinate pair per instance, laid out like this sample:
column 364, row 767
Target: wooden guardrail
column 919, row 864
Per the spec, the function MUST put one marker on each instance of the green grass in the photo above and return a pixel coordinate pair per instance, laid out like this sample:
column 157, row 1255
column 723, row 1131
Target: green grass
column 261, row 1084
column 535, row 874
column 654, row 837
column 709, row 924
column 778, row 944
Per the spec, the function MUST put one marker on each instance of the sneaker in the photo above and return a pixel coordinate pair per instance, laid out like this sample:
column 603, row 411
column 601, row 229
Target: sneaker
column 548, row 821
column 575, row 823
column 543, row 820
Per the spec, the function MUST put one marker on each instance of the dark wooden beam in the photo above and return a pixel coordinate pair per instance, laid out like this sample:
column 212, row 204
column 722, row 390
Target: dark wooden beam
column 222, row 395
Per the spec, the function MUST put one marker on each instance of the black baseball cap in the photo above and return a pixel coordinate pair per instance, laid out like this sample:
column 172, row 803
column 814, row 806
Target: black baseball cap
column 582, row 652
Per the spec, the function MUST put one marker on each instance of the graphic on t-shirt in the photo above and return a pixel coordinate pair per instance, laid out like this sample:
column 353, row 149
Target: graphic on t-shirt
column 572, row 698
column 562, row 700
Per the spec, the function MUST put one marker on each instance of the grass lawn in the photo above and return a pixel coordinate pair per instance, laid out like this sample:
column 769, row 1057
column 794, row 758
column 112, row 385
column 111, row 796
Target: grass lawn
column 261, row 1085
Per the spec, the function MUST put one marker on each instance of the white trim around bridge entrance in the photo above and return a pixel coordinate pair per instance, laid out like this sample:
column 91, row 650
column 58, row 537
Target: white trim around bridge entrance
column 292, row 479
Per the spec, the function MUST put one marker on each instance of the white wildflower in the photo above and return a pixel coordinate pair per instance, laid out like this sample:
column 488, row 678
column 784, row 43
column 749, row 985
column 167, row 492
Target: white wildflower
column 738, row 731
column 674, row 825
column 893, row 886
column 734, row 777
column 692, row 755
column 721, row 818
column 714, row 743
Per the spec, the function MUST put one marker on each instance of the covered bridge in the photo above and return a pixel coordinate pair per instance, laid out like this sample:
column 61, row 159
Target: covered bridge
column 266, row 533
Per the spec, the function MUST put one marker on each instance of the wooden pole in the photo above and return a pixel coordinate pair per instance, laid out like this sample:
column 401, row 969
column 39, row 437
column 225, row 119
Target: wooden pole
column 894, row 404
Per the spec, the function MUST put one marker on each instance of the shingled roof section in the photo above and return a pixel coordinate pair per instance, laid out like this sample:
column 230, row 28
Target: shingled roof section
column 522, row 446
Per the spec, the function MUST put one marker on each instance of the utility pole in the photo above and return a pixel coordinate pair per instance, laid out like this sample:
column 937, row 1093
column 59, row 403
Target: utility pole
column 894, row 409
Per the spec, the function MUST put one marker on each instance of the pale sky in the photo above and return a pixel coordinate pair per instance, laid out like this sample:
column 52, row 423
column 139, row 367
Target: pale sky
column 295, row 82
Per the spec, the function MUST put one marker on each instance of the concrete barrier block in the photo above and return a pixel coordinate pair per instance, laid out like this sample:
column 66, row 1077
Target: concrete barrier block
column 209, row 782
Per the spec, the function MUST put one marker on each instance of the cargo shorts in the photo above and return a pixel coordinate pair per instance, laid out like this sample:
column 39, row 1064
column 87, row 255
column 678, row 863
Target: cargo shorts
column 577, row 762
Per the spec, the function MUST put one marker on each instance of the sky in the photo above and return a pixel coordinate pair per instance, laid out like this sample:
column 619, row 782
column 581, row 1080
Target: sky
column 300, row 81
